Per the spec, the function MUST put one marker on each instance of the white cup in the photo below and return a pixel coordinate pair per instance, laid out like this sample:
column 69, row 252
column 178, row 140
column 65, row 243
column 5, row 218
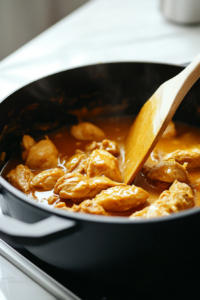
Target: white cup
column 181, row 11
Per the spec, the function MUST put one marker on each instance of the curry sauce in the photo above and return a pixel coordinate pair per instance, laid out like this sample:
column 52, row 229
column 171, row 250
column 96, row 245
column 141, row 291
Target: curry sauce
column 116, row 130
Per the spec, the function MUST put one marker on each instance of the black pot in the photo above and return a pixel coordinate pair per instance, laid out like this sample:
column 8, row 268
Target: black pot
column 81, row 242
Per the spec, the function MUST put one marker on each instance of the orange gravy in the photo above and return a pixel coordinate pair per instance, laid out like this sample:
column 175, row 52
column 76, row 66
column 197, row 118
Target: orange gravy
column 116, row 129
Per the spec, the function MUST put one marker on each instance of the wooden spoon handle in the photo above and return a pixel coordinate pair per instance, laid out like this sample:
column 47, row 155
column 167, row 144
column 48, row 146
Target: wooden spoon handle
column 154, row 117
column 171, row 93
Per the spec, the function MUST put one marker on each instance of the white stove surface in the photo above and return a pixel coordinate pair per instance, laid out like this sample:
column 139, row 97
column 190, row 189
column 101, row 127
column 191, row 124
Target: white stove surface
column 16, row 285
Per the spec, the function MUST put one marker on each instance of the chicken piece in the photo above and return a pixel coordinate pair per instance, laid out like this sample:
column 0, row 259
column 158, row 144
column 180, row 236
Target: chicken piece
column 74, row 161
column 111, row 147
column 20, row 177
column 47, row 179
column 92, row 146
column 26, row 144
column 52, row 199
column 154, row 158
column 42, row 156
column 107, row 145
column 177, row 186
column 102, row 163
column 178, row 197
column 88, row 207
column 196, row 184
column 170, row 131
column 87, row 132
column 168, row 171
column 192, row 157
column 121, row 198
column 82, row 167
column 78, row 187
column 61, row 205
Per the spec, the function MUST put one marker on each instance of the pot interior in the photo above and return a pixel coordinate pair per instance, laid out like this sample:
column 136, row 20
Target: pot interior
column 92, row 91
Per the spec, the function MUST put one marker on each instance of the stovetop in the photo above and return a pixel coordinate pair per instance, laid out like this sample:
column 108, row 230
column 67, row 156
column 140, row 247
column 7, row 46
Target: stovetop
column 87, row 287
column 132, row 284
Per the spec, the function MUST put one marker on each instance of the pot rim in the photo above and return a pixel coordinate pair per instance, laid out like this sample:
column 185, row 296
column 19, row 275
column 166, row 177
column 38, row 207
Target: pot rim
column 89, row 217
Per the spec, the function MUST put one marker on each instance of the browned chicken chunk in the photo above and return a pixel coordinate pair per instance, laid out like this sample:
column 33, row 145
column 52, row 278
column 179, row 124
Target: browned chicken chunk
column 102, row 163
column 52, row 199
column 79, row 187
column 61, row 205
column 196, row 184
column 88, row 207
column 26, row 144
column 179, row 186
column 87, row 132
column 121, row 198
column 192, row 157
column 20, row 178
column 170, row 131
column 178, row 197
column 42, row 156
column 107, row 145
column 169, row 171
column 92, row 146
column 82, row 167
column 47, row 179
column 74, row 161
column 153, row 159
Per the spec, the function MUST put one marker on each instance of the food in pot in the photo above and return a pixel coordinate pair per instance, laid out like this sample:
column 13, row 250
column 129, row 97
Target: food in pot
column 121, row 198
column 110, row 146
column 42, row 155
column 87, row 206
column 191, row 157
column 20, row 177
column 102, row 163
column 76, row 160
column 169, row 171
column 26, row 144
column 78, row 187
column 80, row 169
column 177, row 198
column 46, row 180
column 87, row 132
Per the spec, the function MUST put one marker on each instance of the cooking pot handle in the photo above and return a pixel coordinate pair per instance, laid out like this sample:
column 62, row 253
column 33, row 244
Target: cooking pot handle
column 47, row 230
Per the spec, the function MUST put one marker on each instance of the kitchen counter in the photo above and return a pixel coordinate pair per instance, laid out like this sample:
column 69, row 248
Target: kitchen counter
column 99, row 31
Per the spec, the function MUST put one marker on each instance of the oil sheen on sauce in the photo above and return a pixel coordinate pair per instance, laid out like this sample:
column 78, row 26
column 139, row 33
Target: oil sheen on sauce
column 116, row 129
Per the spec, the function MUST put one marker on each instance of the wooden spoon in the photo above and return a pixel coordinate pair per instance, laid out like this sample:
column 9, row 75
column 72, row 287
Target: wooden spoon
column 154, row 117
